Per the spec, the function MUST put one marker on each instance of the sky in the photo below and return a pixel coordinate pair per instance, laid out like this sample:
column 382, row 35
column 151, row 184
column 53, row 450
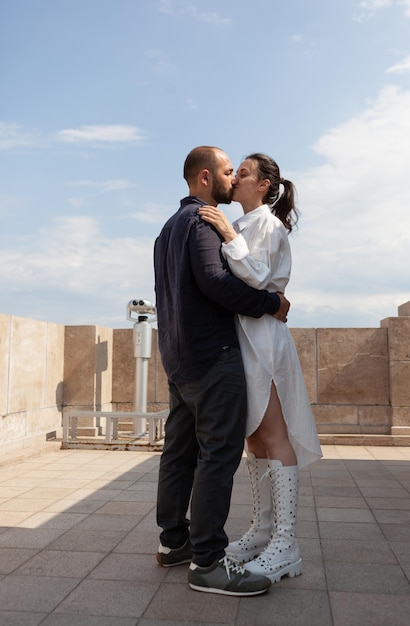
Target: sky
column 101, row 101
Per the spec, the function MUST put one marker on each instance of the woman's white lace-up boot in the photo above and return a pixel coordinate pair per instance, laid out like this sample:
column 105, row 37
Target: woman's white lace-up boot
column 281, row 556
column 255, row 540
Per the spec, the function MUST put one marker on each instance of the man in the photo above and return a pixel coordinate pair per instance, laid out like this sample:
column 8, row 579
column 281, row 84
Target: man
column 197, row 298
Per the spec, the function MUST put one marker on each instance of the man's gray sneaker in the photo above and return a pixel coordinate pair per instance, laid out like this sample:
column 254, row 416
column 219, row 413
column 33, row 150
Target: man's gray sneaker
column 168, row 557
column 227, row 578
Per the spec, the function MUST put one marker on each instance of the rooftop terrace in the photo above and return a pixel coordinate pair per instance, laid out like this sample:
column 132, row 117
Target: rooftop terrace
column 78, row 539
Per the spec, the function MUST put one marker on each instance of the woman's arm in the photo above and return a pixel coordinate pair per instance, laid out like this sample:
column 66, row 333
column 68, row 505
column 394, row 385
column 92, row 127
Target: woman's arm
column 235, row 249
column 213, row 278
column 217, row 218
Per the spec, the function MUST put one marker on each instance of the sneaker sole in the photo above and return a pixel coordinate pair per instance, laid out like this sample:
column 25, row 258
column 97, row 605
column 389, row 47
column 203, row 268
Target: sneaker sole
column 183, row 562
column 224, row 592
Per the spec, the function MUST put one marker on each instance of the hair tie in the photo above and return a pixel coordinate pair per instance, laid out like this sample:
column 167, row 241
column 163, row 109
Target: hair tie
column 282, row 181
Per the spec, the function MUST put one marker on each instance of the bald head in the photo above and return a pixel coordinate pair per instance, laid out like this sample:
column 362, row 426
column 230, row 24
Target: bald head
column 209, row 174
column 202, row 157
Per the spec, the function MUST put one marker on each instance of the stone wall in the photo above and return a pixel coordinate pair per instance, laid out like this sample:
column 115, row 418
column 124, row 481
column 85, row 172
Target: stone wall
column 398, row 330
column 358, row 379
column 31, row 382
column 348, row 379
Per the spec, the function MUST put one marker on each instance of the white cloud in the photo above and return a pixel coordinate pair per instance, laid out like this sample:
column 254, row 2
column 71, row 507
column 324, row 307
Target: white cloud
column 209, row 17
column 153, row 214
column 377, row 138
column 354, row 236
column 374, row 5
column 115, row 133
column 13, row 135
column 71, row 261
column 104, row 186
column 403, row 67
column 158, row 61
column 368, row 8
column 96, row 189
column 166, row 6
column 191, row 104
column 170, row 7
column 9, row 204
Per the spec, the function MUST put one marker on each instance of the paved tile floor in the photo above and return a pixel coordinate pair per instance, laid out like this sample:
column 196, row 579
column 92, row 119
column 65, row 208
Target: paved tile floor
column 78, row 538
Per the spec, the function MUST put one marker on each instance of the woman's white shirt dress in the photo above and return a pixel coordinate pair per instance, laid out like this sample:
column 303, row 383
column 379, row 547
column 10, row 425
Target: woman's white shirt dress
column 261, row 257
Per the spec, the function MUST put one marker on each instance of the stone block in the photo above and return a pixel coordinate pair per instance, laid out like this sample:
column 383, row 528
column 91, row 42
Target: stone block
column 399, row 337
column 401, row 431
column 120, row 407
column 28, row 359
column 160, row 393
column 352, row 366
column 5, row 321
column 124, row 364
column 404, row 309
column 305, row 342
column 53, row 390
column 123, row 369
column 331, row 414
column 375, row 416
column 45, row 420
column 400, row 416
column 400, row 383
column 377, row 429
column 12, row 426
column 103, row 367
column 88, row 366
column 79, row 365
column 336, row 429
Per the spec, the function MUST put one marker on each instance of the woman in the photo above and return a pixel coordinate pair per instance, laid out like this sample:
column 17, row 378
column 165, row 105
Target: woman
column 281, row 432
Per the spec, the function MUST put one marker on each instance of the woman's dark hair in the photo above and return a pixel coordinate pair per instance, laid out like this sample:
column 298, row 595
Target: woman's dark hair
column 281, row 205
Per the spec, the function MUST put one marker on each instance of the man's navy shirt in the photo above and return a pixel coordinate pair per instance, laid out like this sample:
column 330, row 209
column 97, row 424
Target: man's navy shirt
column 197, row 295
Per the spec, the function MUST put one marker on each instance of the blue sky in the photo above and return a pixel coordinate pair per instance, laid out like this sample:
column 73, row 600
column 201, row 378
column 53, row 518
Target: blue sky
column 101, row 100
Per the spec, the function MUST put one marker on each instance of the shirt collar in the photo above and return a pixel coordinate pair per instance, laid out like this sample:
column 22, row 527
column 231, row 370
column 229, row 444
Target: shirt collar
column 192, row 200
column 242, row 222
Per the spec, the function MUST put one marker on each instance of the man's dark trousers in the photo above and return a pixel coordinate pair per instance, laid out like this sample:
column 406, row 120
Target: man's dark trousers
column 204, row 439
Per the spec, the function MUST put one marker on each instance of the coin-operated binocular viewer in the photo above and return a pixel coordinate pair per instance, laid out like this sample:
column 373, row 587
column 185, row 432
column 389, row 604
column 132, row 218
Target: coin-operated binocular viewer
column 140, row 312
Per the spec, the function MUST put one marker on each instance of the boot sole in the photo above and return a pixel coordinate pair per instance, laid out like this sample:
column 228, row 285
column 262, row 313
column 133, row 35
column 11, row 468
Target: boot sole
column 292, row 570
column 244, row 558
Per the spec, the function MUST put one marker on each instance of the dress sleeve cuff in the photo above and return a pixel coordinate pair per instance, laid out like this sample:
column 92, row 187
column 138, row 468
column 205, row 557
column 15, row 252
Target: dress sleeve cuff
column 237, row 249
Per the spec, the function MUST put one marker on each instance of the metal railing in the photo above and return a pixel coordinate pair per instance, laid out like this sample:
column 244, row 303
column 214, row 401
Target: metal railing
column 155, row 424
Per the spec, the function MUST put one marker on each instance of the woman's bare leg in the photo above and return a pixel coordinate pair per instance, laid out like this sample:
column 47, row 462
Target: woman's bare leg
column 271, row 440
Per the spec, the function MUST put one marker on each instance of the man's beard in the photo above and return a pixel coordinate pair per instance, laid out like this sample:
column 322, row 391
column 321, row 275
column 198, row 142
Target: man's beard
column 223, row 196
